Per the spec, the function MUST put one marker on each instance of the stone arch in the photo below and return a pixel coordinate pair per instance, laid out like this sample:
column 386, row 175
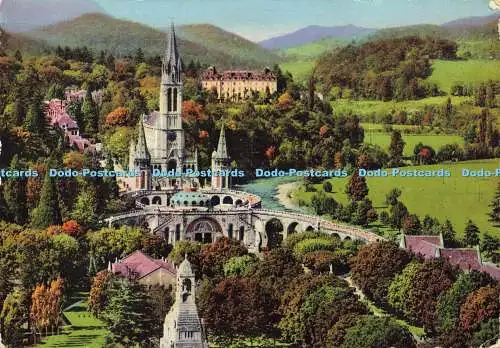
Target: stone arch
column 230, row 230
column 238, row 203
column 336, row 235
column 145, row 200
column 156, row 200
column 347, row 238
column 292, row 228
column 203, row 230
column 274, row 232
column 309, row 228
column 227, row 200
column 215, row 200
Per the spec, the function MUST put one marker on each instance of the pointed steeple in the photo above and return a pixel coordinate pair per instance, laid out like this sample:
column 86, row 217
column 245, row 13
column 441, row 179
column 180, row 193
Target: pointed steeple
column 221, row 146
column 171, row 72
column 141, row 149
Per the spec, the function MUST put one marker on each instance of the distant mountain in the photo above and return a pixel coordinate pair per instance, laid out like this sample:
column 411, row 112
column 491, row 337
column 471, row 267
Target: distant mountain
column 470, row 22
column 314, row 33
column 215, row 38
column 17, row 41
column 121, row 37
column 24, row 15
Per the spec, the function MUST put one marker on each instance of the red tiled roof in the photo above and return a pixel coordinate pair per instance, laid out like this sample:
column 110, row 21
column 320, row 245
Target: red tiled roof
column 140, row 265
column 466, row 259
column 413, row 240
column 423, row 248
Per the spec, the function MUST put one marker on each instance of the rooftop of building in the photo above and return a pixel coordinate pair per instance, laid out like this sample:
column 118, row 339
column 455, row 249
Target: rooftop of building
column 140, row 265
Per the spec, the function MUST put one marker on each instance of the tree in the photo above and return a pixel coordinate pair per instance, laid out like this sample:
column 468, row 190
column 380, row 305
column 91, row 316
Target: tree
column 374, row 267
column 240, row 266
column 480, row 306
column 99, row 292
column 46, row 305
column 14, row 194
column 357, row 189
column 85, row 210
column 90, row 115
column 119, row 117
column 391, row 198
column 471, row 234
column 398, row 214
column 494, row 214
column 35, row 121
column 396, row 147
column 15, row 313
column 373, row 332
column 490, row 245
column 47, row 211
column 327, row 186
column 448, row 308
column 213, row 256
column 139, row 56
column 235, row 307
column 411, row 224
column 72, row 228
column 129, row 314
column 449, row 234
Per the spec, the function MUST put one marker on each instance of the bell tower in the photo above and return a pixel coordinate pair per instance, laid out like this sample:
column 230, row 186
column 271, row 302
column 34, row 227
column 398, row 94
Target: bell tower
column 171, row 106
column 182, row 327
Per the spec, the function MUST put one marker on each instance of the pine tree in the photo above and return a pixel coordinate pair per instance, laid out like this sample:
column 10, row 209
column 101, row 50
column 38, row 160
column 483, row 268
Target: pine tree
column 139, row 56
column 471, row 235
column 35, row 121
column 494, row 214
column 90, row 116
column 449, row 235
column 47, row 211
column 397, row 147
column 110, row 181
column 14, row 193
column 85, row 210
column 490, row 245
column 357, row 189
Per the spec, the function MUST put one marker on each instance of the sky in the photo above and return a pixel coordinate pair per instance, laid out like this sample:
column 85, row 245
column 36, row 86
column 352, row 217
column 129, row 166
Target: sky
column 261, row 19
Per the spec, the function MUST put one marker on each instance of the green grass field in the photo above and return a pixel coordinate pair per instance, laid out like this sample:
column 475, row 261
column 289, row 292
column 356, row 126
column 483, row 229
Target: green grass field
column 445, row 73
column 300, row 69
column 456, row 198
column 435, row 141
column 312, row 49
column 85, row 331
column 377, row 107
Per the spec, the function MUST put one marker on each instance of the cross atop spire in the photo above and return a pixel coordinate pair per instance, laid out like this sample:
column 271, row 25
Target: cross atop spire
column 171, row 72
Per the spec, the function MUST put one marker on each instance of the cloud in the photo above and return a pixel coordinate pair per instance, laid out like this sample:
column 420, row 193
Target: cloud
column 495, row 4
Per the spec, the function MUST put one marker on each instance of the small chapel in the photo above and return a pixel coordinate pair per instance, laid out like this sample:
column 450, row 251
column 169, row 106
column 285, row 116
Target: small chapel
column 183, row 327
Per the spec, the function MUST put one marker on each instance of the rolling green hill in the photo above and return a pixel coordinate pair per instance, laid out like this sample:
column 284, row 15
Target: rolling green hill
column 26, row 45
column 216, row 39
column 445, row 73
column 120, row 37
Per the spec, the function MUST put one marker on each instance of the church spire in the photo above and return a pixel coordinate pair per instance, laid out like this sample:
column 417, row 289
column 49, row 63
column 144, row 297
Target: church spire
column 141, row 149
column 221, row 146
column 171, row 72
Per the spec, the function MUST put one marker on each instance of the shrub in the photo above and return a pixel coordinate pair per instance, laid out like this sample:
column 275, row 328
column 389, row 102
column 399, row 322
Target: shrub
column 315, row 244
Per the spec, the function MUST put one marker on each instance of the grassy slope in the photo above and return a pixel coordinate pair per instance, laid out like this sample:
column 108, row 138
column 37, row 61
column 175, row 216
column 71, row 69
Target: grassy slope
column 445, row 73
column 435, row 141
column 121, row 37
column 456, row 198
column 85, row 331
column 215, row 38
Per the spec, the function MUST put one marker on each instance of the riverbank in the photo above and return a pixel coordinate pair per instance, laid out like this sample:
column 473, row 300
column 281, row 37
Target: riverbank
column 284, row 194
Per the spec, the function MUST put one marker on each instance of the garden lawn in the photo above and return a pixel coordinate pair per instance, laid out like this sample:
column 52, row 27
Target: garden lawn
column 434, row 140
column 85, row 331
column 456, row 198
column 300, row 69
column 445, row 72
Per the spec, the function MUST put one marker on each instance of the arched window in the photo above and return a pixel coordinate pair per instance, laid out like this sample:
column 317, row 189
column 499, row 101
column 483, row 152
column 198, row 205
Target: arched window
column 242, row 233
column 169, row 99
column 175, row 99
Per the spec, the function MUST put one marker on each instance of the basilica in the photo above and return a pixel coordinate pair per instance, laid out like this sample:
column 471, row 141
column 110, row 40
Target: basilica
column 161, row 139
